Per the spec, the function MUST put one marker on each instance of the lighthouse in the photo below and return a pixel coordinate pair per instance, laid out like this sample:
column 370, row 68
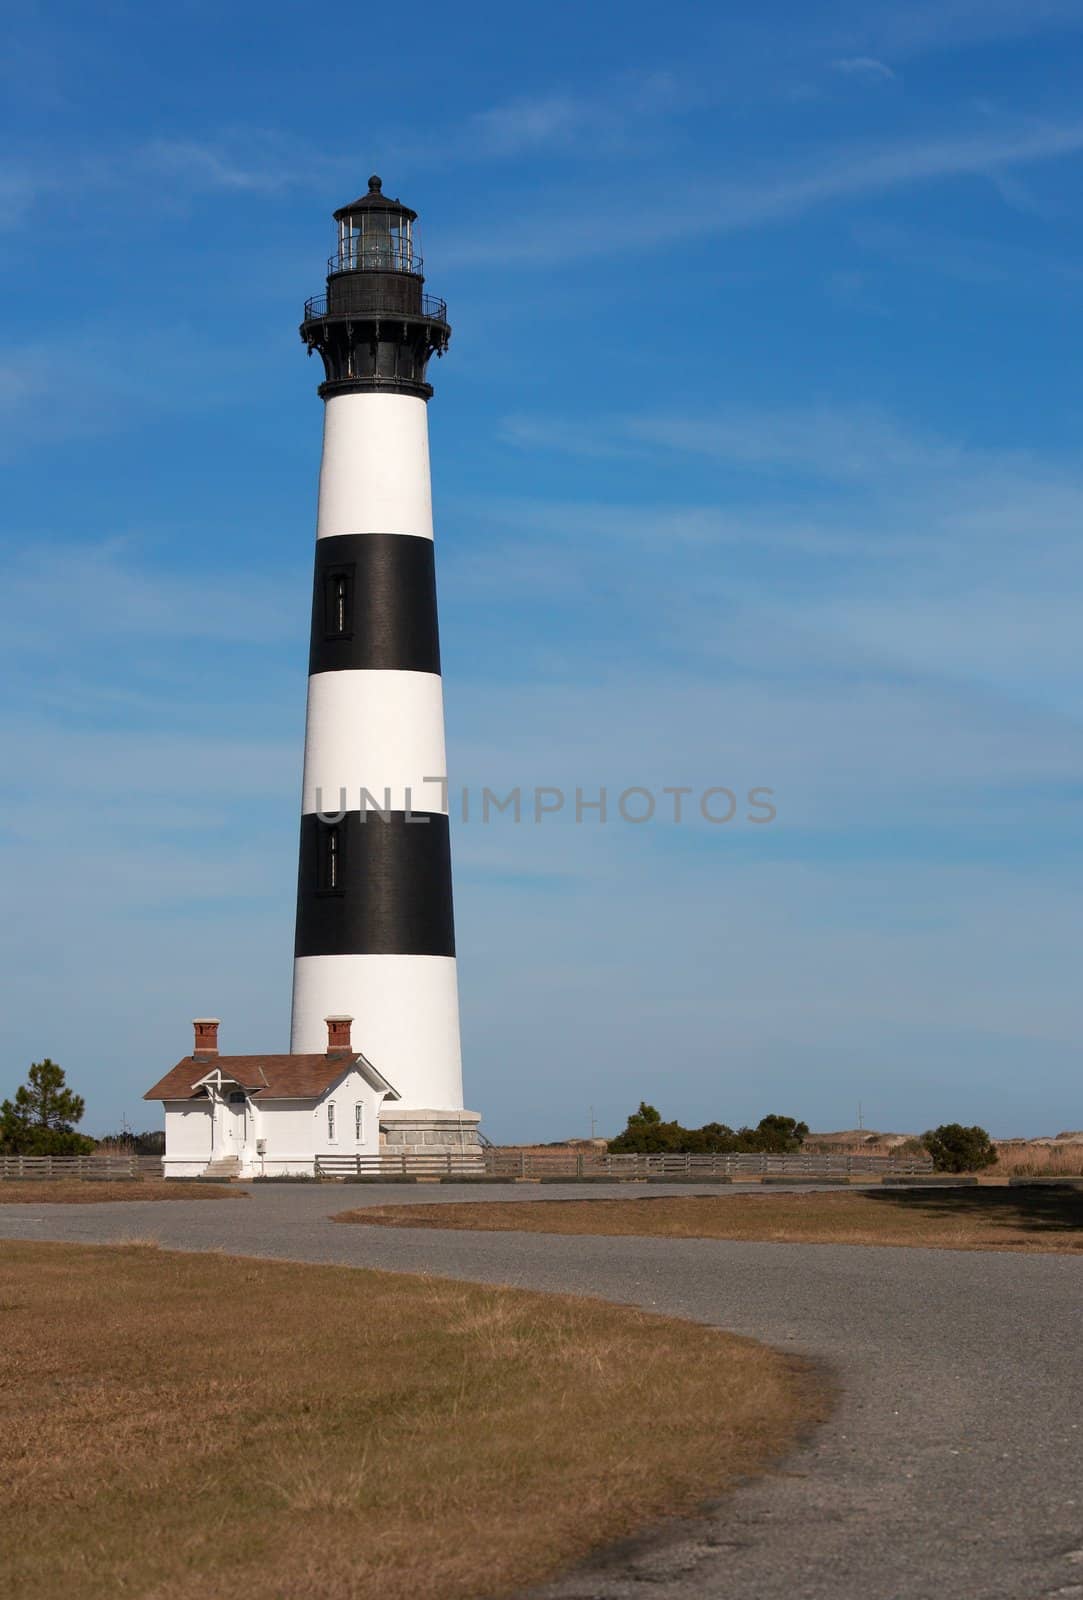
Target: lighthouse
column 375, row 930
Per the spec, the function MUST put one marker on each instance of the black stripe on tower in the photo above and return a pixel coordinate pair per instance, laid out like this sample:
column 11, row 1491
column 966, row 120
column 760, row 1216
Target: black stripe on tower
column 372, row 884
column 374, row 604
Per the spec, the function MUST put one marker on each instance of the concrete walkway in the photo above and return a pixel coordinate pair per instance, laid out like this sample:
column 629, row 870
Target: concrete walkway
column 952, row 1466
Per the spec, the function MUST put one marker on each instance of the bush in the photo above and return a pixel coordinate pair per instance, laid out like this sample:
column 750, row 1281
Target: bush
column 647, row 1134
column 958, row 1149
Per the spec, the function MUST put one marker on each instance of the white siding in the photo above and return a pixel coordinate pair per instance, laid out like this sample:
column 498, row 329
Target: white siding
column 188, row 1129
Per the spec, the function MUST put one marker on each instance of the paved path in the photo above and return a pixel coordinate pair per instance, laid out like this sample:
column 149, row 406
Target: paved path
column 952, row 1466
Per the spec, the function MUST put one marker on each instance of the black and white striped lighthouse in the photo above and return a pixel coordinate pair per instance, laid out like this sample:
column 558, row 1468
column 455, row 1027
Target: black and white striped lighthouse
column 375, row 934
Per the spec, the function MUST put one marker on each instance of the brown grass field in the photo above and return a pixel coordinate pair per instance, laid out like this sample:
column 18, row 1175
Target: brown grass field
column 186, row 1427
column 80, row 1191
column 1038, row 1161
column 947, row 1219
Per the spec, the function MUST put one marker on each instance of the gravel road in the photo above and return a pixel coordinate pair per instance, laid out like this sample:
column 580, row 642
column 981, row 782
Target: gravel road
column 952, row 1465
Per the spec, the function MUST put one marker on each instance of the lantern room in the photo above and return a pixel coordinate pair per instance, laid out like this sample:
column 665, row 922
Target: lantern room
column 376, row 234
column 374, row 327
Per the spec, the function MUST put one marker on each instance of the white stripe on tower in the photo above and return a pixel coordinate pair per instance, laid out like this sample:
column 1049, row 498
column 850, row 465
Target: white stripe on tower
column 375, row 934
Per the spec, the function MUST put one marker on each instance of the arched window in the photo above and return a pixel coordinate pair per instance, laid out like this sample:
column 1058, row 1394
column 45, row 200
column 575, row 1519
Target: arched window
column 330, row 1122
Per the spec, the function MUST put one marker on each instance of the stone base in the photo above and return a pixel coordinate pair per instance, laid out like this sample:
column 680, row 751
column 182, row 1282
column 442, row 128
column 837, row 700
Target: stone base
column 429, row 1133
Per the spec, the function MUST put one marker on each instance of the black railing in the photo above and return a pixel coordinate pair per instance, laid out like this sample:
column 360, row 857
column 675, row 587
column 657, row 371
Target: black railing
column 360, row 302
column 383, row 256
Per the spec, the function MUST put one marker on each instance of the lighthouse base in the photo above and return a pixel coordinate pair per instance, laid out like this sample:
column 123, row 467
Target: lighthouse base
column 429, row 1133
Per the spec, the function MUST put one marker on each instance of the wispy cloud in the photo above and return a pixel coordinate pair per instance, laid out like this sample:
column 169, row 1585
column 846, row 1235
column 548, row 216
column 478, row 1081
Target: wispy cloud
column 926, row 26
column 854, row 542
column 197, row 165
column 831, row 443
column 113, row 591
column 704, row 206
column 619, row 114
column 531, row 124
column 165, row 171
column 864, row 67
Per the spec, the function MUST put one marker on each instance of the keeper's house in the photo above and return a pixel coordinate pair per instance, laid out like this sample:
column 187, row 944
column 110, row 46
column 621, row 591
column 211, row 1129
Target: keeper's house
column 249, row 1116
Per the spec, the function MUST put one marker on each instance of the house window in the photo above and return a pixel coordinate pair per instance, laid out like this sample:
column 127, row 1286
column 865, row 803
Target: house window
column 331, row 1122
column 359, row 1123
column 330, row 876
column 338, row 602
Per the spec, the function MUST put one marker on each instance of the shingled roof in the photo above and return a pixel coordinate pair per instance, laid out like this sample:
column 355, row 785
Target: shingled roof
column 267, row 1077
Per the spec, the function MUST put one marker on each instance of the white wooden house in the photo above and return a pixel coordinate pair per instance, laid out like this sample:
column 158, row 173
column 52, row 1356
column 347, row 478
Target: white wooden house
column 249, row 1116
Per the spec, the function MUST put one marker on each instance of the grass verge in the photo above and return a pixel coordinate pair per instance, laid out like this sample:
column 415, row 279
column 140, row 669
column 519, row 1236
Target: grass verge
column 82, row 1191
column 949, row 1219
column 181, row 1427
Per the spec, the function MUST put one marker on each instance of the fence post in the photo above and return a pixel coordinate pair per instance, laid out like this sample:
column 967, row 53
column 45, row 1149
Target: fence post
column 579, row 1165
column 522, row 1163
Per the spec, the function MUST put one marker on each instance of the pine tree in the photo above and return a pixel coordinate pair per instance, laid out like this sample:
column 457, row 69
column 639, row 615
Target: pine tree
column 41, row 1119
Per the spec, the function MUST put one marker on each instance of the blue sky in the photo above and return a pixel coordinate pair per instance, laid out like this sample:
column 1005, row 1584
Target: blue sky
column 755, row 463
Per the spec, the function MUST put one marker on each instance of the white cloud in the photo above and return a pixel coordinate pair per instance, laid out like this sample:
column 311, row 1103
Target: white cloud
column 864, row 67
column 701, row 206
column 617, row 115
column 925, row 26
column 111, row 590
column 953, row 567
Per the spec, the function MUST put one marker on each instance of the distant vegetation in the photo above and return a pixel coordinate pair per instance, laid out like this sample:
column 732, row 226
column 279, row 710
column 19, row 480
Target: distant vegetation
column 954, row 1148
column 150, row 1143
column 647, row 1134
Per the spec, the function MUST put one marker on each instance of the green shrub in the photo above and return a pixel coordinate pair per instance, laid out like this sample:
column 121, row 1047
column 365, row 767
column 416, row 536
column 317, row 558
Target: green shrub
column 958, row 1149
column 647, row 1134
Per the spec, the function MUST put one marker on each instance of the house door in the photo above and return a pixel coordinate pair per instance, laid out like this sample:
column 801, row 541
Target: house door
column 237, row 1122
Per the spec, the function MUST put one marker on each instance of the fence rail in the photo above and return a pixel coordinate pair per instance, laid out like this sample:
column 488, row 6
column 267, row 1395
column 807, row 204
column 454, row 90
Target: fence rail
column 438, row 1165
column 110, row 1166
column 497, row 1163
column 522, row 1163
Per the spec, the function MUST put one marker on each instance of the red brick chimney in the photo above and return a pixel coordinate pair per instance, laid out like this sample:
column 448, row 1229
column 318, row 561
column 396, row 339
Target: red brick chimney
column 338, row 1036
column 206, row 1036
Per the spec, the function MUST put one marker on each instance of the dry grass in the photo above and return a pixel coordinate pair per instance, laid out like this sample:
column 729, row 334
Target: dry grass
column 81, row 1191
column 1038, row 1161
column 185, row 1427
column 952, row 1219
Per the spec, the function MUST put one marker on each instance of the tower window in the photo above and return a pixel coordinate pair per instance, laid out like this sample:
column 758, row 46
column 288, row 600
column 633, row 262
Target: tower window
column 338, row 602
column 330, row 864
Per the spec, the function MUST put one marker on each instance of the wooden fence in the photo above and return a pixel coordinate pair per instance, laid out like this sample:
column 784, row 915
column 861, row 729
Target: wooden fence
column 497, row 1163
column 94, row 1166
